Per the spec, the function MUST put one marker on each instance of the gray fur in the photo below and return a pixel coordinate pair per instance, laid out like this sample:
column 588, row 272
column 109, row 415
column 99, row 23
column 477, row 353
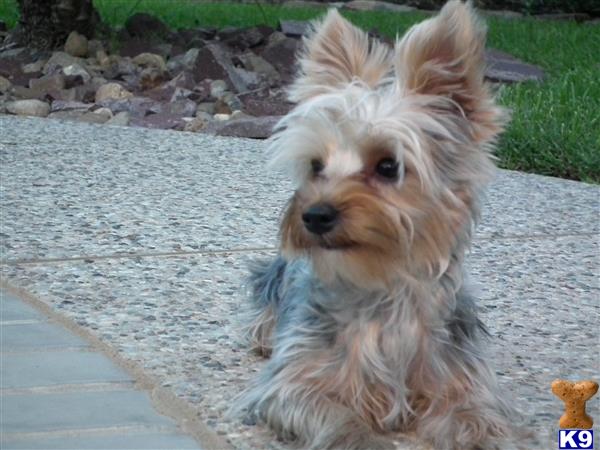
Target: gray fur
column 310, row 318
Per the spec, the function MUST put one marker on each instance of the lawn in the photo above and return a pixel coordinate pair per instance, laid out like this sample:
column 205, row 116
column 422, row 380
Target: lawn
column 555, row 128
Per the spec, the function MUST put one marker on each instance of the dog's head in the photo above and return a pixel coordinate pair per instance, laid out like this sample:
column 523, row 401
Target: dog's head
column 389, row 148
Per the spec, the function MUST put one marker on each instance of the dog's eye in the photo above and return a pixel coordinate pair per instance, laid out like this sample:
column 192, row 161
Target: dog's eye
column 317, row 166
column 387, row 168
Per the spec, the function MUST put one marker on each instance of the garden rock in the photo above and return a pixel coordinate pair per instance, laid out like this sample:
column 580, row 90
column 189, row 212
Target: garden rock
column 281, row 54
column 293, row 28
column 502, row 67
column 206, row 107
column 252, row 127
column 150, row 60
column 184, row 108
column 144, row 25
column 28, row 108
column 119, row 119
column 217, row 88
column 58, row 60
column 242, row 38
column 150, row 78
column 76, row 44
column 135, row 106
column 261, row 67
column 47, row 83
column 111, row 91
column 61, row 105
column 34, row 66
column 200, row 122
column 76, row 72
column 5, row 84
column 162, row 121
column 374, row 5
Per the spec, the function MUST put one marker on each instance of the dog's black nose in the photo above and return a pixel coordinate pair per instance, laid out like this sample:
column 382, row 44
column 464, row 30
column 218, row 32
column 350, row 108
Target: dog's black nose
column 320, row 219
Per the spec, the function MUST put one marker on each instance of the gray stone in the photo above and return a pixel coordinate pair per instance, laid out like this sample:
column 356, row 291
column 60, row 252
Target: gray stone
column 76, row 44
column 217, row 88
column 112, row 91
column 184, row 108
column 135, row 106
column 34, row 66
column 185, row 61
column 57, row 368
column 243, row 38
column 274, row 105
column 502, row 13
column 79, row 116
column 502, row 67
column 251, row 127
column 281, row 52
column 150, row 78
column 207, row 107
column 374, row 5
column 181, row 94
column 576, row 17
column 61, row 105
column 150, row 60
column 221, row 107
column 255, row 63
column 161, row 120
column 58, row 60
column 38, row 336
column 5, row 84
column 294, row 28
column 199, row 123
column 76, row 70
column 308, row 4
column 119, row 119
column 72, row 411
column 47, row 83
column 106, row 441
column 28, row 108
column 221, row 64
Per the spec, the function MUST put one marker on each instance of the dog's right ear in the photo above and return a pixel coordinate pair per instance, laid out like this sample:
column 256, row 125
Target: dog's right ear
column 334, row 54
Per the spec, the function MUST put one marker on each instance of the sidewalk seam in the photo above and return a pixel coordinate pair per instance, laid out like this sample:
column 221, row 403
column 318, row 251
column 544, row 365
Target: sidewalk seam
column 163, row 400
column 93, row 258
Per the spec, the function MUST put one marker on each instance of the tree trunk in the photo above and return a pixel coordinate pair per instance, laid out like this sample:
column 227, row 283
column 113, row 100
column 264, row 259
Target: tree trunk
column 45, row 24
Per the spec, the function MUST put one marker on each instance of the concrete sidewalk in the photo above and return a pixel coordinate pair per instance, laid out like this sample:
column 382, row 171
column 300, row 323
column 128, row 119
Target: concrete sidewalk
column 141, row 238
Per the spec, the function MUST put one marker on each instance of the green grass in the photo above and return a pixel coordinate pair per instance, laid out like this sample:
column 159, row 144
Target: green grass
column 555, row 128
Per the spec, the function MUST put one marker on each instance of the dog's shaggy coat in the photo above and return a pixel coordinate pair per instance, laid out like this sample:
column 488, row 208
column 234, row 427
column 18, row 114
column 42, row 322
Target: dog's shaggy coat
column 369, row 327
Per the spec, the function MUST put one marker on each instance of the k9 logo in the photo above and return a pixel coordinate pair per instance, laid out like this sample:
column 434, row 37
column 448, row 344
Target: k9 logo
column 575, row 439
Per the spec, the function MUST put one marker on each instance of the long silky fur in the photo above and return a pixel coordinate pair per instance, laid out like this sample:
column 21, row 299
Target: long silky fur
column 377, row 333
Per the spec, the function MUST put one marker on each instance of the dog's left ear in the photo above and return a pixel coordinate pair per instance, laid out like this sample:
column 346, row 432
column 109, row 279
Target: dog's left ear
column 444, row 56
column 334, row 54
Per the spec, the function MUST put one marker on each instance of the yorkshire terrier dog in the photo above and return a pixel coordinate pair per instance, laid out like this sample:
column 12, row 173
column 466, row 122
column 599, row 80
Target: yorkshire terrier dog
column 365, row 313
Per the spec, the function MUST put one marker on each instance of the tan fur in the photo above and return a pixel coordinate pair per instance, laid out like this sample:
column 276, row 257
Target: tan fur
column 376, row 332
column 344, row 51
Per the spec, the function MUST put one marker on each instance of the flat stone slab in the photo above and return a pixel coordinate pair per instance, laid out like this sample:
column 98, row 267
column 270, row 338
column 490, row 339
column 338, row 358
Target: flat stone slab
column 79, row 411
column 126, row 190
column 13, row 309
column 58, row 368
column 39, row 337
column 140, row 441
column 57, row 394
column 505, row 68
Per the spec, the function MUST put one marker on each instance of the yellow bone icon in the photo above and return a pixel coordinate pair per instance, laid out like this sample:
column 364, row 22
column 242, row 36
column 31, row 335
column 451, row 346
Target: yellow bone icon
column 574, row 395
